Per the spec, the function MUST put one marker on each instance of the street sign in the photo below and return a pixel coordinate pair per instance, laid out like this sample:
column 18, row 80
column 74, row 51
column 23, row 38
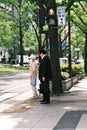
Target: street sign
column 77, row 49
column 61, row 15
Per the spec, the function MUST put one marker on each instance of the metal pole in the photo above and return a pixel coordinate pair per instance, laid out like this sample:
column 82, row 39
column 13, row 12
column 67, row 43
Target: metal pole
column 69, row 42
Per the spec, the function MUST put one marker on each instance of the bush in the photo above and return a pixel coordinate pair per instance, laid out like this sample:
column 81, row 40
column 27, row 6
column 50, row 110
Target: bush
column 64, row 75
column 76, row 69
column 64, row 67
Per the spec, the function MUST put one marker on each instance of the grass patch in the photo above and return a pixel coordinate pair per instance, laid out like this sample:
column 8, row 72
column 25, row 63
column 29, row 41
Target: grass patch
column 8, row 68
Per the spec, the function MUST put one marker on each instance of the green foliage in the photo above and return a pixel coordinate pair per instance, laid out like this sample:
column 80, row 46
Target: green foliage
column 9, row 69
column 10, row 23
column 65, row 75
column 79, row 15
column 78, row 41
column 64, row 67
column 30, row 41
column 76, row 69
column 6, row 34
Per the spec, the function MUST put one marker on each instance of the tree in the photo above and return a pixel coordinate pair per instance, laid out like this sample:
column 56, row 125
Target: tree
column 30, row 42
column 44, row 4
column 79, row 19
column 23, row 16
column 6, row 30
column 19, row 11
column 78, row 41
column 54, row 52
column 6, row 37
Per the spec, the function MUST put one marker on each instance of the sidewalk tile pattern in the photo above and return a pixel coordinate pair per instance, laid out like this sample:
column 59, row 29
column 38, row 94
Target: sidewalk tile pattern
column 69, row 120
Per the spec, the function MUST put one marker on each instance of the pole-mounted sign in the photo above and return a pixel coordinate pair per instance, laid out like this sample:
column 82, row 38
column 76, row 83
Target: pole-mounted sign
column 61, row 15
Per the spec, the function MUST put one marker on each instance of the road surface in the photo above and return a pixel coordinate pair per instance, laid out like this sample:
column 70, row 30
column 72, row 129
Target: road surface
column 14, row 89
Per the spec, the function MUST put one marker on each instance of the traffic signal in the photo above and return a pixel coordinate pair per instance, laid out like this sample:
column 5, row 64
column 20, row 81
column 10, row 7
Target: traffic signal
column 51, row 11
column 51, row 17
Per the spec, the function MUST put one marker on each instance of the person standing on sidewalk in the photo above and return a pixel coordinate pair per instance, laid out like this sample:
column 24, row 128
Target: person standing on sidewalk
column 44, row 75
column 33, row 70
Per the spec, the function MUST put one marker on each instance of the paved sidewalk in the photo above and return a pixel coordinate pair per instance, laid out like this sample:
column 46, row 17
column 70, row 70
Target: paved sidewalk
column 67, row 112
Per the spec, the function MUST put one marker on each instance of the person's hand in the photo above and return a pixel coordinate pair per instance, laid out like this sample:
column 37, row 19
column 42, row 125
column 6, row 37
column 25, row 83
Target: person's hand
column 43, row 78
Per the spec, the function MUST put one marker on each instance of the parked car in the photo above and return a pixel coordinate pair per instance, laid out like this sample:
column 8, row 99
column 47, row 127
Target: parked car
column 79, row 61
column 63, row 60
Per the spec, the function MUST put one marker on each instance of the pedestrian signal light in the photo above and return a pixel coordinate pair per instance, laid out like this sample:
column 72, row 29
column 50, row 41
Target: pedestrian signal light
column 51, row 17
column 51, row 11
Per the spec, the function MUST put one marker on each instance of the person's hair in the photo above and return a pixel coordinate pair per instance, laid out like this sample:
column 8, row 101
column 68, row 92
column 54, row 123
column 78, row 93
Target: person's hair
column 32, row 56
column 42, row 51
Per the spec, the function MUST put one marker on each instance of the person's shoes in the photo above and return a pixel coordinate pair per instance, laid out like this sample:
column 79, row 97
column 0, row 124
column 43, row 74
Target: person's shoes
column 35, row 96
column 42, row 101
column 45, row 102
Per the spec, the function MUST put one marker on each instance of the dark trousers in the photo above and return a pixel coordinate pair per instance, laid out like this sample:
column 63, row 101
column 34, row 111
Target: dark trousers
column 46, row 95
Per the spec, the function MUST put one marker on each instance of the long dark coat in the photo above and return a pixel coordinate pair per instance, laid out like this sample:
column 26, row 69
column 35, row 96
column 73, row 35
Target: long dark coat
column 45, row 69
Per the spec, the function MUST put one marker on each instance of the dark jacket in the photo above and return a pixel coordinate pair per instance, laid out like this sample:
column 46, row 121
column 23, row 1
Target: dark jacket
column 45, row 68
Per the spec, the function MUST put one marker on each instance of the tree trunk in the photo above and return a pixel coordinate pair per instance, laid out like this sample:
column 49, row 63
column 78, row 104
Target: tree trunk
column 85, row 63
column 21, row 36
column 21, row 45
column 54, row 53
column 69, row 42
column 56, row 72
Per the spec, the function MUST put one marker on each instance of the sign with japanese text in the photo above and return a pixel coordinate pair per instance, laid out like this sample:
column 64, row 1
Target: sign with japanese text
column 61, row 15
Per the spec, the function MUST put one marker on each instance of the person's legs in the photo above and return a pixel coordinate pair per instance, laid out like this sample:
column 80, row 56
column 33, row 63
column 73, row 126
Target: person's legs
column 46, row 95
column 46, row 99
column 33, row 80
column 34, row 91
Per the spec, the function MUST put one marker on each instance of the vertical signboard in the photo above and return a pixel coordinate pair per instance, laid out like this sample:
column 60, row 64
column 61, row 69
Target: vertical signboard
column 61, row 15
